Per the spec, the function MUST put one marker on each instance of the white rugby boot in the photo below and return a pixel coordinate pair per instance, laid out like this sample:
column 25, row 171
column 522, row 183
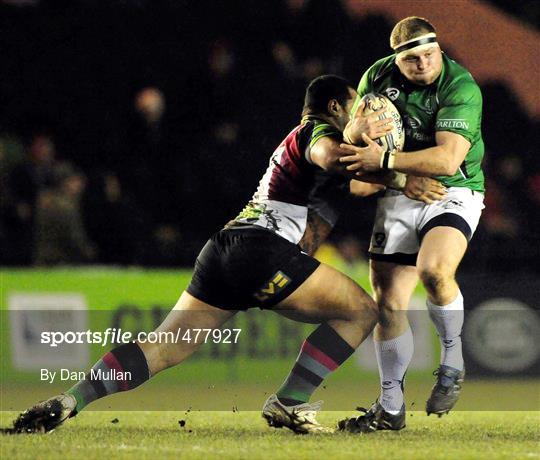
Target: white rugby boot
column 300, row 418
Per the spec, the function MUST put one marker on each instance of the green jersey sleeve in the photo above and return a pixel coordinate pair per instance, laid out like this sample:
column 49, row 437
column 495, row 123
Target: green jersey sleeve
column 316, row 129
column 321, row 130
column 461, row 111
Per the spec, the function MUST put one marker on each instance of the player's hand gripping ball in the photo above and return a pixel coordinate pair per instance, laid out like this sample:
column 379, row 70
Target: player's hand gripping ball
column 394, row 139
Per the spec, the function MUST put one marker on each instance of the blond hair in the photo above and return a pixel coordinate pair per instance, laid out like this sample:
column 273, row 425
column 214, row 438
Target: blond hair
column 408, row 29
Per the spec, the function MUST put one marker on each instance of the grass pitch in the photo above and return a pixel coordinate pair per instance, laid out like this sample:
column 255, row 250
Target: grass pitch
column 475, row 433
column 244, row 435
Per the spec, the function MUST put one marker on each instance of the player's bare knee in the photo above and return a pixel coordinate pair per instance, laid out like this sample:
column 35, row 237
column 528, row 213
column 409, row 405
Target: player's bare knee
column 380, row 283
column 371, row 312
column 436, row 277
column 390, row 314
column 363, row 309
column 385, row 316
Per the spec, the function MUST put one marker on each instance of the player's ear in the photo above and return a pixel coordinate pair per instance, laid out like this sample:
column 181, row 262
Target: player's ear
column 333, row 106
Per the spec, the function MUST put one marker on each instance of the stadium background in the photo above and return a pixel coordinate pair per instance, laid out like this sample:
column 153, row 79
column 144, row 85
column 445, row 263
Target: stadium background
column 130, row 132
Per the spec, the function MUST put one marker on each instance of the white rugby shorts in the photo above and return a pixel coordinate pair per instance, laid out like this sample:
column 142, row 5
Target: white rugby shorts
column 401, row 223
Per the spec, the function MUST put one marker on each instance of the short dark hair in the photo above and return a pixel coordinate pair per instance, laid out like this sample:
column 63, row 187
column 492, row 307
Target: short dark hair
column 323, row 89
column 409, row 28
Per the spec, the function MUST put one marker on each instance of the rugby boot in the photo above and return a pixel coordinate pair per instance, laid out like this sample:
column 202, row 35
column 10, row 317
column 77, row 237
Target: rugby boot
column 300, row 418
column 376, row 418
column 45, row 416
column 446, row 390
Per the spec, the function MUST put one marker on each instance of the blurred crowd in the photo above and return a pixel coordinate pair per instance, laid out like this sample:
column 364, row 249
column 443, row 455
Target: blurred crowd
column 130, row 132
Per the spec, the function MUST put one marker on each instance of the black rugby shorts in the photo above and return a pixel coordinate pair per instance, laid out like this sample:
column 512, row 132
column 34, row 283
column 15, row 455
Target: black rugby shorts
column 249, row 267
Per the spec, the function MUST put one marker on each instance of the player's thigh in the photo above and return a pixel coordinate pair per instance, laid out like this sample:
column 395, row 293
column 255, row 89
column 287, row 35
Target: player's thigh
column 393, row 284
column 325, row 295
column 188, row 316
column 441, row 252
column 182, row 332
column 190, row 312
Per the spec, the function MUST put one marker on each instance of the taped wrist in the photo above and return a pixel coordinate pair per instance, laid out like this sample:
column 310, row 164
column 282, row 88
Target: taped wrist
column 387, row 160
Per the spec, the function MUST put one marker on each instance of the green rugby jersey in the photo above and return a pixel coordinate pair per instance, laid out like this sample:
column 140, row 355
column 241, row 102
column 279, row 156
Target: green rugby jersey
column 452, row 103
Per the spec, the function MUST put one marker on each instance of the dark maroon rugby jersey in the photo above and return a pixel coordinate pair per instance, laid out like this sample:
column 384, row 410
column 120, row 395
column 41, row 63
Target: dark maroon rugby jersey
column 281, row 201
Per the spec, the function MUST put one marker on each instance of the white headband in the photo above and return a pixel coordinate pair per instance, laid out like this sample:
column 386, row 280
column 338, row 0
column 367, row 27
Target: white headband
column 424, row 41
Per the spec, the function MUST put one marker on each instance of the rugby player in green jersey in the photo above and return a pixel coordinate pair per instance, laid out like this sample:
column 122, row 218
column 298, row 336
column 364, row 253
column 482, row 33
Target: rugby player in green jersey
column 257, row 261
column 441, row 107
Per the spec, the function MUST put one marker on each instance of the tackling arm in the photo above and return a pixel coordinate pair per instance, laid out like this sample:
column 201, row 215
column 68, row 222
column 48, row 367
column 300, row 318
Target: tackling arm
column 418, row 188
column 443, row 159
column 327, row 152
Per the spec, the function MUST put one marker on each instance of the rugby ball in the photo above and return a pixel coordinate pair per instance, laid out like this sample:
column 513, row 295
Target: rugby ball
column 395, row 139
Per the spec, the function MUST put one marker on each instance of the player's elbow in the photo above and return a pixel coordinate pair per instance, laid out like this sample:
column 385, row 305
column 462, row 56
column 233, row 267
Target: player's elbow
column 449, row 163
column 450, row 169
column 452, row 166
column 453, row 171
column 442, row 167
column 453, row 150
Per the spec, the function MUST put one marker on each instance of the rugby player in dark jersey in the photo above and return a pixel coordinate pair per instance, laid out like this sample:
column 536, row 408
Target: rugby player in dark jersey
column 256, row 261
